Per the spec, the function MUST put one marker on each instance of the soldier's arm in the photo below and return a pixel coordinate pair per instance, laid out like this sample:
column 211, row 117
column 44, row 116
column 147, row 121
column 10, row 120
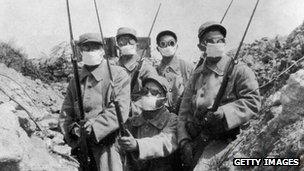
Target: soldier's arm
column 106, row 122
column 67, row 111
column 248, row 103
column 160, row 145
column 185, row 111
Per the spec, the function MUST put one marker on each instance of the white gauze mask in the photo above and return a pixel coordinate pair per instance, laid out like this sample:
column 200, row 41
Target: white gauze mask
column 93, row 57
column 128, row 50
column 168, row 51
column 150, row 103
column 215, row 49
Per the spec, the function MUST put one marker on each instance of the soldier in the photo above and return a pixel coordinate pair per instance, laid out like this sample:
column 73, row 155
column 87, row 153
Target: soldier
column 101, row 121
column 129, row 59
column 154, row 130
column 201, row 140
column 177, row 71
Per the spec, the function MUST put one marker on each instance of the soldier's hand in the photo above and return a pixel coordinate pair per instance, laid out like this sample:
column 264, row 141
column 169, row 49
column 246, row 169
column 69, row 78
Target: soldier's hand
column 216, row 121
column 219, row 114
column 88, row 127
column 193, row 129
column 187, row 153
column 128, row 143
column 212, row 117
column 76, row 131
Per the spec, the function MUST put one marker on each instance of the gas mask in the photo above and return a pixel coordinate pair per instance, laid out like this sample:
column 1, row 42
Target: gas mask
column 92, row 58
column 150, row 103
column 168, row 51
column 128, row 50
column 214, row 52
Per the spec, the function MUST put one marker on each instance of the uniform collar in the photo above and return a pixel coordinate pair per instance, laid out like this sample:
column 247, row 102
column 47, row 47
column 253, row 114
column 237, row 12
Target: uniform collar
column 159, row 120
column 97, row 72
column 131, row 63
column 173, row 64
column 218, row 68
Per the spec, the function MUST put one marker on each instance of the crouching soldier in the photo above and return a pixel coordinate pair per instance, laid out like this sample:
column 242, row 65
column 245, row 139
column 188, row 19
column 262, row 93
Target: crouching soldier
column 154, row 130
column 130, row 61
column 203, row 134
column 176, row 70
column 97, row 91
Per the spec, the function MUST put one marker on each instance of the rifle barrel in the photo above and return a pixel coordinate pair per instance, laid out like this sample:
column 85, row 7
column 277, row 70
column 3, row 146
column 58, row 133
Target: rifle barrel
column 249, row 22
column 99, row 24
column 150, row 31
column 103, row 40
column 154, row 20
column 226, row 12
column 69, row 18
column 74, row 62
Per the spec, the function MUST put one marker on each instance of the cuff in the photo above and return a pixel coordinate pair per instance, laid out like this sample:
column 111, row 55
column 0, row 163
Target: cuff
column 142, row 149
column 232, row 120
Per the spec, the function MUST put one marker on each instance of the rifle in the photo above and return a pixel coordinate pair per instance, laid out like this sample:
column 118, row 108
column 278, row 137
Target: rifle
column 122, row 129
column 83, row 154
column 205, row 122
column 230, row 67
column 141, row 60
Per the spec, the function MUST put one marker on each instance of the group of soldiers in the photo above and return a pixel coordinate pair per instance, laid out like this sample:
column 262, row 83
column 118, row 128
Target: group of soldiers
column 165, row 107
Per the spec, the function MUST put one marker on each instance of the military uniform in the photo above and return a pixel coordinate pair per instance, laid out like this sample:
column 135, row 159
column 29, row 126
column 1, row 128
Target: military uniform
column 240, row 102
column 97, row 90
column 131, row 65
column 156, row 139
column 155, row 133
column 177, row 72
column 146, row 71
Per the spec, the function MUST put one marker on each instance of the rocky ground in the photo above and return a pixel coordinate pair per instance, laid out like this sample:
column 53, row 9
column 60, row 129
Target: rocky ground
column 278, row 132
column 23, row 145
column 268, row 57
column 33, row 89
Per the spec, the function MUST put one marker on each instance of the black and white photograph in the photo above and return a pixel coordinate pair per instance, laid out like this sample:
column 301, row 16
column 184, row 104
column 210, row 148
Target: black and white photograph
column 151, row 85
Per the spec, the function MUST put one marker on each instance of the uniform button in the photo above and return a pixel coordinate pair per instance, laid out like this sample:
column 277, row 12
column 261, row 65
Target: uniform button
column 168, row 70
column 169, row 79
column 170, row 90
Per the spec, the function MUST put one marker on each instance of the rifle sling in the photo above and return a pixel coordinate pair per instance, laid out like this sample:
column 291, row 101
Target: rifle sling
column 135, row 76
column 223, row 87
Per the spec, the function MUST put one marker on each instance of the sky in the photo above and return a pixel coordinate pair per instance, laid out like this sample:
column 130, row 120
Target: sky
column 38, row 25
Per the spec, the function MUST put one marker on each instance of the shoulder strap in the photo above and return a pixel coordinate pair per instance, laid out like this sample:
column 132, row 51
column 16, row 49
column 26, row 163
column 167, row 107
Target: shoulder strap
column 134, row 79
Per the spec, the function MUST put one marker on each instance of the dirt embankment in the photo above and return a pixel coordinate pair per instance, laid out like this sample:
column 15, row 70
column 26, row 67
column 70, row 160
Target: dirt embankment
column 23, row 145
